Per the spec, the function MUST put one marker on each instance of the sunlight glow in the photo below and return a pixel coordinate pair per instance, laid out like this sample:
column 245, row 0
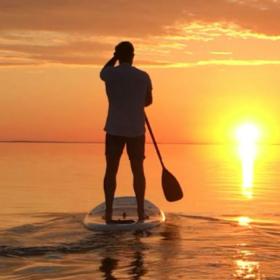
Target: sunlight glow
column 247, row 133
column 247, row 136
column 244, row 221
column 247, row 269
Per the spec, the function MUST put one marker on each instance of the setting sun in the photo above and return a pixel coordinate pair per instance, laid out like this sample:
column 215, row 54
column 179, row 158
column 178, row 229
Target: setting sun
column 247, row 133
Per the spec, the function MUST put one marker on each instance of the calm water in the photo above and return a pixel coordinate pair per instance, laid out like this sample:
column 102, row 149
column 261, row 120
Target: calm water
column 226, row 227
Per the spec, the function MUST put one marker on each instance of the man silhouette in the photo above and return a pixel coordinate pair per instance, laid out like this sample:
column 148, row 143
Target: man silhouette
column 128, row 90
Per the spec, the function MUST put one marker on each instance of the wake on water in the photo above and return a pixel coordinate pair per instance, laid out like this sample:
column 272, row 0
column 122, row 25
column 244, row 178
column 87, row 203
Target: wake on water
column 58, row 246
column 66, row 233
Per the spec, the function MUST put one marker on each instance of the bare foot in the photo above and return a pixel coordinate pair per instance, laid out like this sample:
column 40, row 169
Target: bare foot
column 108, row 218
column 141, row 219
column 109, row 221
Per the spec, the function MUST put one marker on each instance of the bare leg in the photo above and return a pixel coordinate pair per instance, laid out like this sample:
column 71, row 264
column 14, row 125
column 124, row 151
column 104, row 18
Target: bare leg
column 110, row 183
column 139, row 185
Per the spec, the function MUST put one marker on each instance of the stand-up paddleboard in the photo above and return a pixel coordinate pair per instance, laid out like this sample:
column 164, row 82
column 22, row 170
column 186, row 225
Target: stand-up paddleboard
column 124, row 216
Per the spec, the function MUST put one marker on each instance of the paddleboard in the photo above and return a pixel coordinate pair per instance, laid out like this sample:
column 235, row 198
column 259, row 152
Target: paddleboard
column 124, row 216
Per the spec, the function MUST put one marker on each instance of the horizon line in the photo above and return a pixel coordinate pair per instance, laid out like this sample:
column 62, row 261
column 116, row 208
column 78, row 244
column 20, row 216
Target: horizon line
column 91, row 142
column 102, row 142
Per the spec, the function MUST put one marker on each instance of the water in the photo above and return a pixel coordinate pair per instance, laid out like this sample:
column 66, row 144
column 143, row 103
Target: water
column 224, row 228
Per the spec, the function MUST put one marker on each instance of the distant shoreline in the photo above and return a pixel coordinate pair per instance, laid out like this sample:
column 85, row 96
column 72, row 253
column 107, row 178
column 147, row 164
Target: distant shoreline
column 102, row 142
column 98, row 142
column 50, row 142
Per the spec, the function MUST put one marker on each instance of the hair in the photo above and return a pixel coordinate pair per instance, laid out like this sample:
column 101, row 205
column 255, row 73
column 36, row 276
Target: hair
column 125, row 51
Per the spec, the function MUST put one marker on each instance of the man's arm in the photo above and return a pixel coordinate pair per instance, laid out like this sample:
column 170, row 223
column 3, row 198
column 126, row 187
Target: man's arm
column 110, row 63
column 149, row 98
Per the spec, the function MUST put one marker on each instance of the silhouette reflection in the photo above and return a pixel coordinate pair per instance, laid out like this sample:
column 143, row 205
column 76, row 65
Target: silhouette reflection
column 137, row 266
column 114, row 260
column 108, row 265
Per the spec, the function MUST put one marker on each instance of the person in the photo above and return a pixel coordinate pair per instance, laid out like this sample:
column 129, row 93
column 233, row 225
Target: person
column 129, row 90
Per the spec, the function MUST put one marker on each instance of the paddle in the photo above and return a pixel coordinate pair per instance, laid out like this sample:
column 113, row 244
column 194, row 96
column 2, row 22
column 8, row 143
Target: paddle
column 170, row 185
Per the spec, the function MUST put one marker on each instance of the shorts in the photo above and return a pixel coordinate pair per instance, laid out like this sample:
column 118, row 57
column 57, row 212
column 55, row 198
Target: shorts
column 135, row 146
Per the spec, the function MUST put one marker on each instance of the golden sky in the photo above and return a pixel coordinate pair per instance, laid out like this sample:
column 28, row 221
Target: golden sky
column 214, row 64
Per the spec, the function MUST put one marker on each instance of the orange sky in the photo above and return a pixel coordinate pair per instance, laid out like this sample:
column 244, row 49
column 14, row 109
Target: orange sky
column 214, row 65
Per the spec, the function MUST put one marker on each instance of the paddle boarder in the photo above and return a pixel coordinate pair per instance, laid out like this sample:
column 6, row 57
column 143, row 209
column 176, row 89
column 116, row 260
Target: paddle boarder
column 129, row 90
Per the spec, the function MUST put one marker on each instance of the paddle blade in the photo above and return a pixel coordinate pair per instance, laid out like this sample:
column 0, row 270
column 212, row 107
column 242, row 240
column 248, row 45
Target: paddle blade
column 171, row 186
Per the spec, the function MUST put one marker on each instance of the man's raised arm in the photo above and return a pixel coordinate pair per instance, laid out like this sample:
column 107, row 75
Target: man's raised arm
column 110, row 63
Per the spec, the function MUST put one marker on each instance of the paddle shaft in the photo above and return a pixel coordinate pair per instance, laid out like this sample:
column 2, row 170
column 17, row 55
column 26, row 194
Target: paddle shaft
column 154, row 141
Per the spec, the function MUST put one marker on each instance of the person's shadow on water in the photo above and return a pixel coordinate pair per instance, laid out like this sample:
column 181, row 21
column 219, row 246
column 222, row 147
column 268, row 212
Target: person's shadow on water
column 135, row 269
column 137, row 266
column 108, row 265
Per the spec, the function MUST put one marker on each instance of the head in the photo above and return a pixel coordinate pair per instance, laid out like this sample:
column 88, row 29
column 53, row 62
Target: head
column 124, row 52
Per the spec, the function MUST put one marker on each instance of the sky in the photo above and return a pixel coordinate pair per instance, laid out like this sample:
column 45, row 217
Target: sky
column 214, row 66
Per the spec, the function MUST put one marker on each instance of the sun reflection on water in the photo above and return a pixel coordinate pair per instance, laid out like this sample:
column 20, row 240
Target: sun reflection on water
column 247, row 136
column 244, row 221
column 247, row 269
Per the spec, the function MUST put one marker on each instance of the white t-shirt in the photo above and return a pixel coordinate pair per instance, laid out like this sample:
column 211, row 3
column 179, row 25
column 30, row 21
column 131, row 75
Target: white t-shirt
column 126, row 88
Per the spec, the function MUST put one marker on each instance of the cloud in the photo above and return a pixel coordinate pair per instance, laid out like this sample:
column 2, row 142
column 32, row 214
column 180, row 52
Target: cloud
column 164, row 32
column 110, row 17
column 225, row 62
column 118, row 18
column 62, row 48
column 132, row 18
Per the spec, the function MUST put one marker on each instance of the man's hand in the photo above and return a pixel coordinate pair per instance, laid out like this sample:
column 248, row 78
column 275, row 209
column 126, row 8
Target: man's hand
column 112, row 61
column 116, row 55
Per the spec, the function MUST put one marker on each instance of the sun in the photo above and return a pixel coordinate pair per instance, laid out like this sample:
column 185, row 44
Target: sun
column 247, row 133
